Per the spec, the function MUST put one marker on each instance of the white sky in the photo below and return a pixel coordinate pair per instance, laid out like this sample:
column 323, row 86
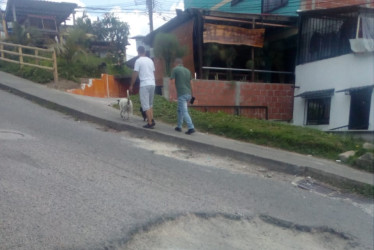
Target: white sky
column 138, row 20
column 130, row 11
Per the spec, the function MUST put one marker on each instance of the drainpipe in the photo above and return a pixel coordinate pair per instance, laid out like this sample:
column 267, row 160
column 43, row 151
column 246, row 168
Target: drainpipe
column 253, row 53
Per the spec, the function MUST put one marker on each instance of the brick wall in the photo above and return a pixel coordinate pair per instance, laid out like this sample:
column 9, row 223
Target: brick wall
column 323, row 4
column 252, row 97
column 106, row 86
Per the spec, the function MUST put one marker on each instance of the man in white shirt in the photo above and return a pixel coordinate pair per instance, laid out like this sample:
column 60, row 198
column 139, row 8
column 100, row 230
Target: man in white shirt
column 145, row 69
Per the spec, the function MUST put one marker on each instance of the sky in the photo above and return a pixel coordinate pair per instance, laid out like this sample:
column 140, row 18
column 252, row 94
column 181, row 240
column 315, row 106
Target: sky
column 133, row 12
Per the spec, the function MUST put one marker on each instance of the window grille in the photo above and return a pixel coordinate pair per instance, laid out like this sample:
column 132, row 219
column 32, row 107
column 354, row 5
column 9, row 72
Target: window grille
column 323, row 36
column 318, row 111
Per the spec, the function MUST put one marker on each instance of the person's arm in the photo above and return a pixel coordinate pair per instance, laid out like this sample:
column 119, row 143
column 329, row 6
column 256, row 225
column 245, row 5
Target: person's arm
column 191, row 84
column 191, row 87
column 172, row 77
column 133, row 79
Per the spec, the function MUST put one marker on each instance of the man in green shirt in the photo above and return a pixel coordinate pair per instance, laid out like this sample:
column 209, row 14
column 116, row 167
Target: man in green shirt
column 181, row 77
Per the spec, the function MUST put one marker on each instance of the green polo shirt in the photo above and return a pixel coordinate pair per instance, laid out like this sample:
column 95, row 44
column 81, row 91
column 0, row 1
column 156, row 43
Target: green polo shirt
column 182, row 78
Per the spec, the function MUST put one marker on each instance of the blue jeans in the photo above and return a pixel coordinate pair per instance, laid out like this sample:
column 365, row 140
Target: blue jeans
column 183, row 114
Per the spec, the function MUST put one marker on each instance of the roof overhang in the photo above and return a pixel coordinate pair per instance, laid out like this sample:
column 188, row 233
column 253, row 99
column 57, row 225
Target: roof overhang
column 60, row 11
column 317, row 94
column 338, row 10
column 235, row 19
column 355, row 89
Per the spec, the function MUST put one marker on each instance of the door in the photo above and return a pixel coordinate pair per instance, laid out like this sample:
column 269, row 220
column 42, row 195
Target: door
column 360, row 109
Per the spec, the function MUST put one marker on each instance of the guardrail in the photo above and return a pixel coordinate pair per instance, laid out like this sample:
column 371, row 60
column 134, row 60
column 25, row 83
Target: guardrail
column 16, row 53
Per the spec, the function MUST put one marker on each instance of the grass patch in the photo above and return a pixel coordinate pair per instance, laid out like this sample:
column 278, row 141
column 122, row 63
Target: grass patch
column 268, row 133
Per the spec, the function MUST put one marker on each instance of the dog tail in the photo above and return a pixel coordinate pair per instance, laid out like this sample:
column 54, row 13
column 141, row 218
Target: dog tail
column 128, row 96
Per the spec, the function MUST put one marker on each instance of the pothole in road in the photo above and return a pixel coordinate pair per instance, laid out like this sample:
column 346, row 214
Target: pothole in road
column 220, row 162
column 223, row 232
column 11, row 135
column 204, row 159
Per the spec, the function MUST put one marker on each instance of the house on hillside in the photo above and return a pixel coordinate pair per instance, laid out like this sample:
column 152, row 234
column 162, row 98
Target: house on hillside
column 282, row 7
column 335, row 69
column 323, row 4
column 231, row 46
column 243, row 63
column 43, row 16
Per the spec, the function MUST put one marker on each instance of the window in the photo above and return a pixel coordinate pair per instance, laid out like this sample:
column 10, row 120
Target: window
column 49, row 24
column 44, row 23
column 318, row 111
column 235, row 2
column 271, row 5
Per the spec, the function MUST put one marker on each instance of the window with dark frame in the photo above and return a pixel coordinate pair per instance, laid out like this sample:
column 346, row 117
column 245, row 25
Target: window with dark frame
column 235, row 2
column 326, row 34
column 318, row 112
column 271, row 5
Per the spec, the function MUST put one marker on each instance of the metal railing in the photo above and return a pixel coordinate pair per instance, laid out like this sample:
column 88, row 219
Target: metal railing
column 21, row 52
column 226, row 70
column 237, row 109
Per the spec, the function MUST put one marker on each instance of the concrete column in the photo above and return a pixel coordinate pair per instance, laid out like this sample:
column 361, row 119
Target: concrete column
column 237, row 93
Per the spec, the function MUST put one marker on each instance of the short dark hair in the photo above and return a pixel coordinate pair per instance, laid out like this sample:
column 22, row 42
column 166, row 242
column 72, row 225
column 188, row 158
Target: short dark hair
column 141, row 50
column 178, row 61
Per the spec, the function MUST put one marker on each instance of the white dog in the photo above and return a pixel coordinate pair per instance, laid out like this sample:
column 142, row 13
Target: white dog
column 125, row 106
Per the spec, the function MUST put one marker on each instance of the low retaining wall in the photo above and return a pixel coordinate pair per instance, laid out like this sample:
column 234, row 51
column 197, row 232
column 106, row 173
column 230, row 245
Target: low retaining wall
column 106, row 86
column 253, row 99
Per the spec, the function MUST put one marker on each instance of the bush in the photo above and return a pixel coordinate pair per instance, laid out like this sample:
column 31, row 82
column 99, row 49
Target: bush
column 85, row 66
column 30, row 73
column 36, row 74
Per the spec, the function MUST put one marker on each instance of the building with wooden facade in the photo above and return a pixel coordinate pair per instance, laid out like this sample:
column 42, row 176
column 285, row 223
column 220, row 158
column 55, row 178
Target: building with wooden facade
column 43, row 16
column 227, row 46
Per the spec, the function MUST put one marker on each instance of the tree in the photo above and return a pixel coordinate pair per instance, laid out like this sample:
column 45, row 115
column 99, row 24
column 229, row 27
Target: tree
column 84, row 23
column 112, row 30
column 167, row 48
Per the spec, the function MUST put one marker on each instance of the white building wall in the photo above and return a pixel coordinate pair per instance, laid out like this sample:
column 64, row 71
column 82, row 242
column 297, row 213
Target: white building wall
column 343, row 72
column 371, row 118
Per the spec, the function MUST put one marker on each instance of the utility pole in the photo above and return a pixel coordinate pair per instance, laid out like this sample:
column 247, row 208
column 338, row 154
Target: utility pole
column 150, row 14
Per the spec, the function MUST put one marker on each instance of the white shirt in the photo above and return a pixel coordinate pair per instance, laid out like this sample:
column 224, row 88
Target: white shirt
column 145, row 67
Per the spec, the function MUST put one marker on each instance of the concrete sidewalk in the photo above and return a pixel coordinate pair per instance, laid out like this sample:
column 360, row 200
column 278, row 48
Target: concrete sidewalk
column 98, row 110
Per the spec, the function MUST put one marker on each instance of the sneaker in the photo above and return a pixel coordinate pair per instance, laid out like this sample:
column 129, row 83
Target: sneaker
column 178, row 129
column 153, row 122
column 148, row 126
column 190, row 131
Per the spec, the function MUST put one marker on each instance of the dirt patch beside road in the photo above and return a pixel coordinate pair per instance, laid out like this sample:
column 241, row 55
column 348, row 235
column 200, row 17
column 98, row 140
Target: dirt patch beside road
column 222, row 232
column 64, row 85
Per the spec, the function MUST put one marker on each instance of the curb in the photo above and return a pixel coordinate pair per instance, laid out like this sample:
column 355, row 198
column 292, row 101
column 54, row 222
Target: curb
column 270, row 164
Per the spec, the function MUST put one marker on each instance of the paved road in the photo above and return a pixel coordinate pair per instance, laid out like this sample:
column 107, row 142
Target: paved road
column 66, row 184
